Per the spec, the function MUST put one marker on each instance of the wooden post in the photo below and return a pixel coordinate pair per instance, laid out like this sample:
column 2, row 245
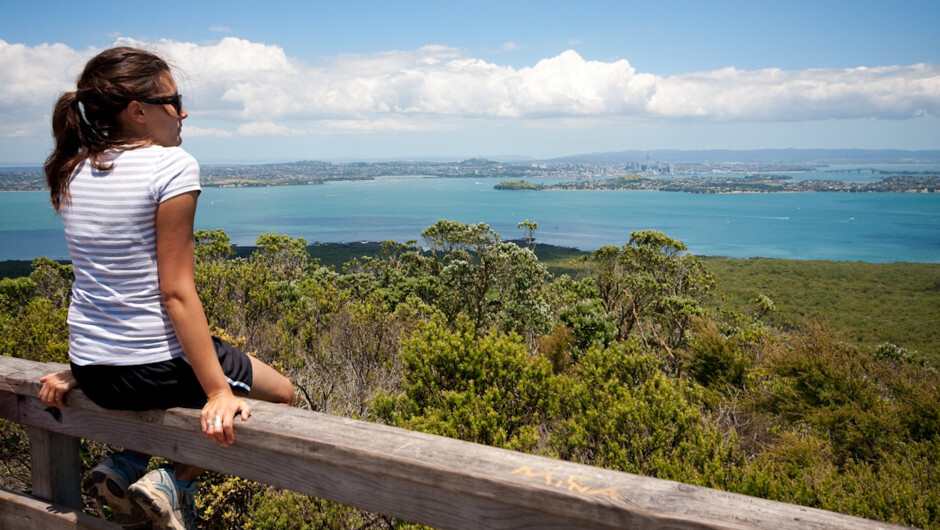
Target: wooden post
column 55, row 467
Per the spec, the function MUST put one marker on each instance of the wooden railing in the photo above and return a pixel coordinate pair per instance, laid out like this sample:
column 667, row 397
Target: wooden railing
column 414, row 476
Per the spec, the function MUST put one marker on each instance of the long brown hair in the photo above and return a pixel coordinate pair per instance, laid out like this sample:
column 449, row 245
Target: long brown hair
column 85, row 122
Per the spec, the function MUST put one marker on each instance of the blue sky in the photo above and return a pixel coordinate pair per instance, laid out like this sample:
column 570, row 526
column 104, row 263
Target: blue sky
column 376, row 80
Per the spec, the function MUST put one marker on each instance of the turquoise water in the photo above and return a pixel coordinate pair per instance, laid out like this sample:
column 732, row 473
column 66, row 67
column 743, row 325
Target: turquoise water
column 834, row 226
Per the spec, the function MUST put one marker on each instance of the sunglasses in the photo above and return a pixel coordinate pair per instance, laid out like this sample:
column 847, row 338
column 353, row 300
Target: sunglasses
column 176, row 100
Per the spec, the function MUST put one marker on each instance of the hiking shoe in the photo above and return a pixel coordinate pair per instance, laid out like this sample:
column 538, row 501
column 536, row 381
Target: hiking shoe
column 107, row 485
column 163, row 502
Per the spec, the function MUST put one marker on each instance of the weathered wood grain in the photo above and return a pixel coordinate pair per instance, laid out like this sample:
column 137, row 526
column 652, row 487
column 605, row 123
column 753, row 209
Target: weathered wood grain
column 22, row 512
column 415, row 476
column 55, row 467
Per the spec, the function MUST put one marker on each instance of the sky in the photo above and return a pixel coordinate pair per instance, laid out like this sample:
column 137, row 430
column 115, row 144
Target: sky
column 353, row 80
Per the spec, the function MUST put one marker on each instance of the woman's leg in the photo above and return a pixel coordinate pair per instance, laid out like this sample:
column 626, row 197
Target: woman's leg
column 187, row 472
column 269, row 385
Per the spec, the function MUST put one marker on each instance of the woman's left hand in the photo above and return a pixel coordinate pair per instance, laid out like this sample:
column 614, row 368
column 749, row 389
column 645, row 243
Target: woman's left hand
column 218, row 417
column 54, row 387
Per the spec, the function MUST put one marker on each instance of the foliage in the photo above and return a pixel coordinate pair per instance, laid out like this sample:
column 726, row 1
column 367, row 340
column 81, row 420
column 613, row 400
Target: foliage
column 900, row 488
column 872, row 303
column 590, row 324
column 286, row 509
column 341, row 366
column 861, row 406
column 224, row 502
column 636, row 361
column 212, row 245
column 845, row 430
column 518, row 185
column 477, row 388
column 34, row 311
column 650, row 287
column 621, row 411
column 528, row 229
column 714, row 360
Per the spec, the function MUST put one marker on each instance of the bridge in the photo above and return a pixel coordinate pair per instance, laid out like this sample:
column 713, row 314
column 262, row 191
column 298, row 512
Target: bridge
column 414, row 476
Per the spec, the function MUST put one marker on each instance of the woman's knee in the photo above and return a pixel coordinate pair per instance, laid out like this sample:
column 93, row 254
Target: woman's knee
column 285, row 392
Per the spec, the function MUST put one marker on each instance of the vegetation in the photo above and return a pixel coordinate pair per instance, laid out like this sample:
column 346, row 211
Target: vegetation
column 640, row 362
column 518, row 185
column 871, row 303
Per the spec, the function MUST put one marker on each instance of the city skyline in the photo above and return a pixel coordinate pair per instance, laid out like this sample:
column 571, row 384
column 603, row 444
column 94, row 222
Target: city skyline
column 364, row 80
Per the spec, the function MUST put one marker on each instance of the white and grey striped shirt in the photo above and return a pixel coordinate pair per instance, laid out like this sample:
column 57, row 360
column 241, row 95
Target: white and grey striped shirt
column 117, row 316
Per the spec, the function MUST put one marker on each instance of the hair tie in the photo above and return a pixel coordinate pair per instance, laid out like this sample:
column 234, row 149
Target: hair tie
column 81, row 112
column 91, row 133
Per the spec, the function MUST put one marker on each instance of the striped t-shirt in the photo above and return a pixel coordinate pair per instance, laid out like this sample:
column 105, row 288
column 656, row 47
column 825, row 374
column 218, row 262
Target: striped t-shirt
column 117, row 316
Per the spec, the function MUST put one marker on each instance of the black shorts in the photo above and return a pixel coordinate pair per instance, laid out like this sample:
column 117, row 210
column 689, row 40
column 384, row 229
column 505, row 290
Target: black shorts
column 161, row 385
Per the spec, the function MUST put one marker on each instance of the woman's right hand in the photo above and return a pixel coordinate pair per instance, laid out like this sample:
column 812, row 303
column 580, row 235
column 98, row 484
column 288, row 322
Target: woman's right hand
column 218, row 417
column 55, row 386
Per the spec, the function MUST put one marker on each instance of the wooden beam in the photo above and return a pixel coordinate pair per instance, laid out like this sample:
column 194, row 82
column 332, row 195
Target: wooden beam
column 55, row 467
column 418, row 477
column 22, row 512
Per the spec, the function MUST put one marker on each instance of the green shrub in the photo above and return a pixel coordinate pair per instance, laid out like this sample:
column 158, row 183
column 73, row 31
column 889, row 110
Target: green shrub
column 37, row 332
column 275, row 509
column 484, row 389
column 714, row 360
column 621, row 411
column 900, row 488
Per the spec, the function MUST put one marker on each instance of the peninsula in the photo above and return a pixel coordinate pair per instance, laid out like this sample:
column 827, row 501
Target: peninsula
column 907, row 183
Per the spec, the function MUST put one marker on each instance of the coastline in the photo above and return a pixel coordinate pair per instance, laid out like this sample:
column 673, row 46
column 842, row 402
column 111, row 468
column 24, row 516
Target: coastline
column 555, row 257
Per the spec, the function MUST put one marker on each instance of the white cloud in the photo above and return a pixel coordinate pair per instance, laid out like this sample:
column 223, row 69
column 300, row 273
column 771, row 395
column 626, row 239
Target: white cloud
column 892, row 92
column 202, row 132
column 509, row 46
column 265, row 128
column 259, row 88
column 32, row 78
column 574, row 42
column 381, row 125
column 220, row 29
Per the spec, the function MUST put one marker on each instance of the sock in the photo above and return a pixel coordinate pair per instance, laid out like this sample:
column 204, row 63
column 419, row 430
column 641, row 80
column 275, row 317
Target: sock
column 139, row 464
column 184, row 484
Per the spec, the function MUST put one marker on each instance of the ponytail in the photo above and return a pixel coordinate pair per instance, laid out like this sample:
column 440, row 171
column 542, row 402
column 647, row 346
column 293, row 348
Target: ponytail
column 70, row 147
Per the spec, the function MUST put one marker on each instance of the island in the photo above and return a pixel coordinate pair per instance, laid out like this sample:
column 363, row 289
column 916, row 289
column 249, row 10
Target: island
column 518, row 185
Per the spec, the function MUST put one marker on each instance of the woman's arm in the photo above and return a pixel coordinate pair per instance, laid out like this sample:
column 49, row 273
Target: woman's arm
column 175, row 265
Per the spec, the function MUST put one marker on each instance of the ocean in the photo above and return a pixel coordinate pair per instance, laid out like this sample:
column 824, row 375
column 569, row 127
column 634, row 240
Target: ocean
column 872, row 227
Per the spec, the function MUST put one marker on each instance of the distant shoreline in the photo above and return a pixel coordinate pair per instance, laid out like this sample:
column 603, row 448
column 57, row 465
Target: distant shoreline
column 337, row 253
column 570, row 172
column 927, row 182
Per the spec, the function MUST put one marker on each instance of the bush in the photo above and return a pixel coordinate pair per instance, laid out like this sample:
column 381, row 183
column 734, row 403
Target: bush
column 620, row 411
column 715, row 361
column 899, row 489
column 481, row 389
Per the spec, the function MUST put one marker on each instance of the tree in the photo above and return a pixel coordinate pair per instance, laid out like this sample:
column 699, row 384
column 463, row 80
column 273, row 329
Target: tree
column 212, row 245
column 651, row 287
column 528, row 232
column 490, row 281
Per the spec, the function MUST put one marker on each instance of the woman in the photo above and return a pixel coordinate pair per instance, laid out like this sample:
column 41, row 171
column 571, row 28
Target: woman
column 138, row 335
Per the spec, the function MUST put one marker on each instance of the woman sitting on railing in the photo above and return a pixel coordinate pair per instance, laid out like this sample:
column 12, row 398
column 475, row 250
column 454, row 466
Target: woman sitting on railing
column 138, row 335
